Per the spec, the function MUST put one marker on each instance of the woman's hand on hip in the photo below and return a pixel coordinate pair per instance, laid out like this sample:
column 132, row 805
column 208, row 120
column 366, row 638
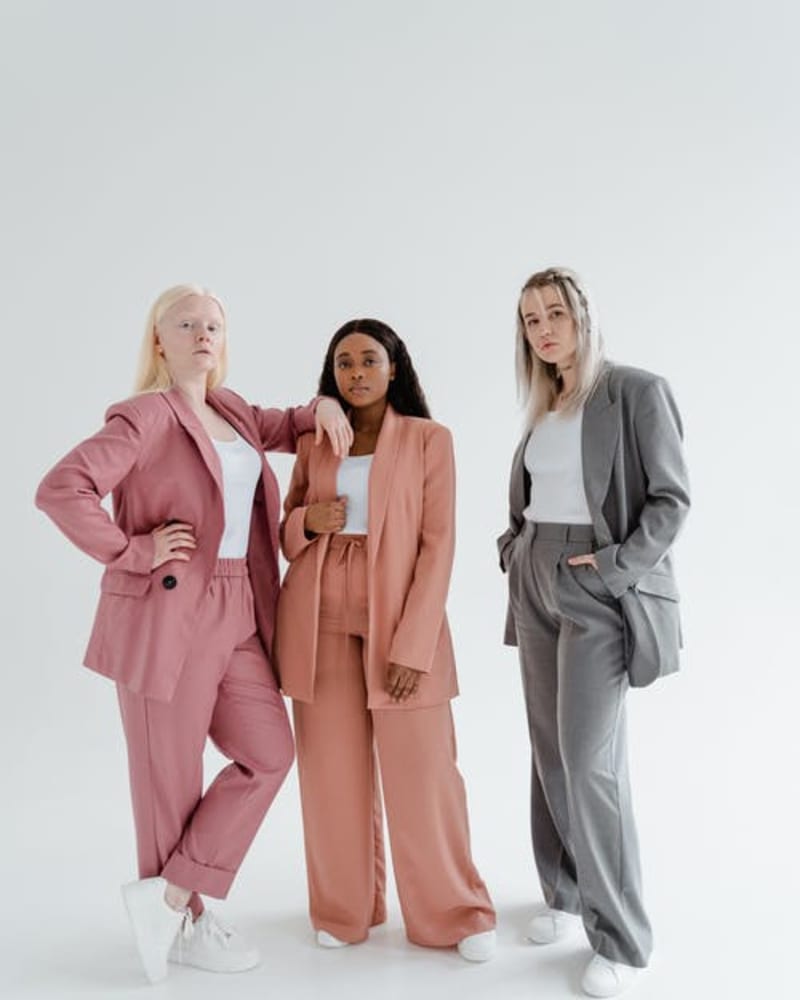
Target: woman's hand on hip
column 332, row 420
column 327, row 517
column 402, row 682
column 171, row 539
column 587, row 560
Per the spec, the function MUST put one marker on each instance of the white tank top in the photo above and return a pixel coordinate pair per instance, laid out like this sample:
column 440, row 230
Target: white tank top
column 241, row 468
column 352, row 481
column 554, row 460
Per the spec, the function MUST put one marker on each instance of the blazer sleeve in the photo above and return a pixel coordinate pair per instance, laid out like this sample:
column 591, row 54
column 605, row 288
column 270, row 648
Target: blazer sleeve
column 71, row 492
column 659, row 440
column 292, row 531
column 515, row 509
column 279, row 430
column 417, row 634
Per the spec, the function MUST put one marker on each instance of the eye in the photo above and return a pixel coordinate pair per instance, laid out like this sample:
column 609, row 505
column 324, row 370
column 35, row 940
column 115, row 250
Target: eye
column 532, row 321
column 342, row 364
column 185, row 325
column 212, row 328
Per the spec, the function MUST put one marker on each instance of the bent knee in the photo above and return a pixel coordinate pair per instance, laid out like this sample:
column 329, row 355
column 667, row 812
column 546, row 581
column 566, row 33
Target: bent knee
column 266, row 759
column 276, row 756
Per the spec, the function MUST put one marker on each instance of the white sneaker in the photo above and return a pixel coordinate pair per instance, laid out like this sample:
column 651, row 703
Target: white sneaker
column 478, row 947
column 604, row 978
column 326, row 940
column 214, row 947
column 155, row 924
column 551, row 925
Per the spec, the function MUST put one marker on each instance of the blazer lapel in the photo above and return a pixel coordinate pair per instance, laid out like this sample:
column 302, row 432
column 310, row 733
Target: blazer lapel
column 197, row 432
column 519, row 483
column 599, row 438
column 380, row 476
column 236, row 420
column 323, row 467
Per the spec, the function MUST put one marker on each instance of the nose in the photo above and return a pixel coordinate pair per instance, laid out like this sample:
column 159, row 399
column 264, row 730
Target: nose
column 358, row 375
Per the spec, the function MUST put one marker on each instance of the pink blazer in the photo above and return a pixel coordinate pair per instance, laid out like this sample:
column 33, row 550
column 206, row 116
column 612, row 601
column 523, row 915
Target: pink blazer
column 410, row 546
column 155, row 457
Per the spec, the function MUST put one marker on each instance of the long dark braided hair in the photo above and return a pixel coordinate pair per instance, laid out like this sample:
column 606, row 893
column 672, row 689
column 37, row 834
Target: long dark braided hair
column 405, row 393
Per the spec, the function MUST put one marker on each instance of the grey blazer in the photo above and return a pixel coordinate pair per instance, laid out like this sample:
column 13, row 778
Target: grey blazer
column 637, row 490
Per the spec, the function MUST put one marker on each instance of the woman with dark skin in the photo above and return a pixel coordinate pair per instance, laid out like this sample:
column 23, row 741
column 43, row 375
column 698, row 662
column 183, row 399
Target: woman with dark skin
column 363, row 648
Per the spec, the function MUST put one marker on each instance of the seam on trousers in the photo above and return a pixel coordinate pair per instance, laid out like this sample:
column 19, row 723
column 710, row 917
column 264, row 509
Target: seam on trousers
column 378, row 888
column 559, row 871
column 151, row 787
column 620, row 871
column 557, row 884
column 379, row 878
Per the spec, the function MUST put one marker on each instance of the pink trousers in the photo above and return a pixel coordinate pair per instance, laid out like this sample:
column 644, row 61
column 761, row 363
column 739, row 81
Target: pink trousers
column 342, row 748
column 227, row 691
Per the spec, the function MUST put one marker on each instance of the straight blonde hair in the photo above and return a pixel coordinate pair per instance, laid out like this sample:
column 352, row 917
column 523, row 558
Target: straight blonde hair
column 539, row 382
column 152, row 374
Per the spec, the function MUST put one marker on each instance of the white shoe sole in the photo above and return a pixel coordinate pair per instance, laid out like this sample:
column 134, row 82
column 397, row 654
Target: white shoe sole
column 243, row 963
column 481, row 947
column 326, row 940
column 607, row 988
column 544, row 930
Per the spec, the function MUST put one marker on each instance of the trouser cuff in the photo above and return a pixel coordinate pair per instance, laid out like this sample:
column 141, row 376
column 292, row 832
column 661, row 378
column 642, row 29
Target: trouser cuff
column 180, row 870
column 613, row 951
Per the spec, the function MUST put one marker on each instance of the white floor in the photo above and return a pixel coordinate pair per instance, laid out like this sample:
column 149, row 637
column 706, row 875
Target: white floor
column 75, row 944
column 720, row 883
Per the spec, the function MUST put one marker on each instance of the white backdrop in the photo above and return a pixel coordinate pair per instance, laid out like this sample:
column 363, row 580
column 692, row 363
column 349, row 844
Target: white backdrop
column 313, row 161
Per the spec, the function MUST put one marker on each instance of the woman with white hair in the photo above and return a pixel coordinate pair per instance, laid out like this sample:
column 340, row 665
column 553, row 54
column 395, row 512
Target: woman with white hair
column 597, row 496
column 186, row 614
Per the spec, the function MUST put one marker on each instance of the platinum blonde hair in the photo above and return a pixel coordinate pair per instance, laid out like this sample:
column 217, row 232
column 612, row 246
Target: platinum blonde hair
column 538, row 381
column 152, row 374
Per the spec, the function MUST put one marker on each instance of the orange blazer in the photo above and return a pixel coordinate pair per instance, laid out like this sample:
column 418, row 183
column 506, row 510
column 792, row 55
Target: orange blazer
column 410, row 546
column 154, row 455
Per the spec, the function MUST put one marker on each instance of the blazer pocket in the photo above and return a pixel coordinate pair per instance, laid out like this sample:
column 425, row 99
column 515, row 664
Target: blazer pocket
column 505, row 548
column 124, row 584
column 659, row 585
column 652, row 629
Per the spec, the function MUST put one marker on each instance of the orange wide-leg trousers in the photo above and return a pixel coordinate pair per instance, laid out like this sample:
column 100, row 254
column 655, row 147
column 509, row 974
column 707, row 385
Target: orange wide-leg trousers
column 346, row 755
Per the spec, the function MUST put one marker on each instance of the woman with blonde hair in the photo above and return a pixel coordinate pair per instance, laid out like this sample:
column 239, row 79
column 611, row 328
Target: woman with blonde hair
column 186, row 615
column 597, row 496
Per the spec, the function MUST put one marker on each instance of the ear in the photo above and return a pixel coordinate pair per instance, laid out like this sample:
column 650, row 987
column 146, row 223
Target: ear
column 392, row 368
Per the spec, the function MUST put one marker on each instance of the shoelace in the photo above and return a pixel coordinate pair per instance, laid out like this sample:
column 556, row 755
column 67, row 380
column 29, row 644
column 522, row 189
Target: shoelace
column 217, row 929
column 185, row 931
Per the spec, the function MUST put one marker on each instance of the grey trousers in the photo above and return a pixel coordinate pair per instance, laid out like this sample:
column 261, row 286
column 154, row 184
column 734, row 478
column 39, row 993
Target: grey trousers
column 569, row 630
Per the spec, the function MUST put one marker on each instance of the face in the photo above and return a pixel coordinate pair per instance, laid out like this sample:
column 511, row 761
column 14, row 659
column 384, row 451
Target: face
column 362, row 369
column 549, row 326
column 191, row 335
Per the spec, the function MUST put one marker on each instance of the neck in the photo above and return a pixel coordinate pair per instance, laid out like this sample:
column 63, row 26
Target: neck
column 194, row 390
column 568, row 379
column 368, row 419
